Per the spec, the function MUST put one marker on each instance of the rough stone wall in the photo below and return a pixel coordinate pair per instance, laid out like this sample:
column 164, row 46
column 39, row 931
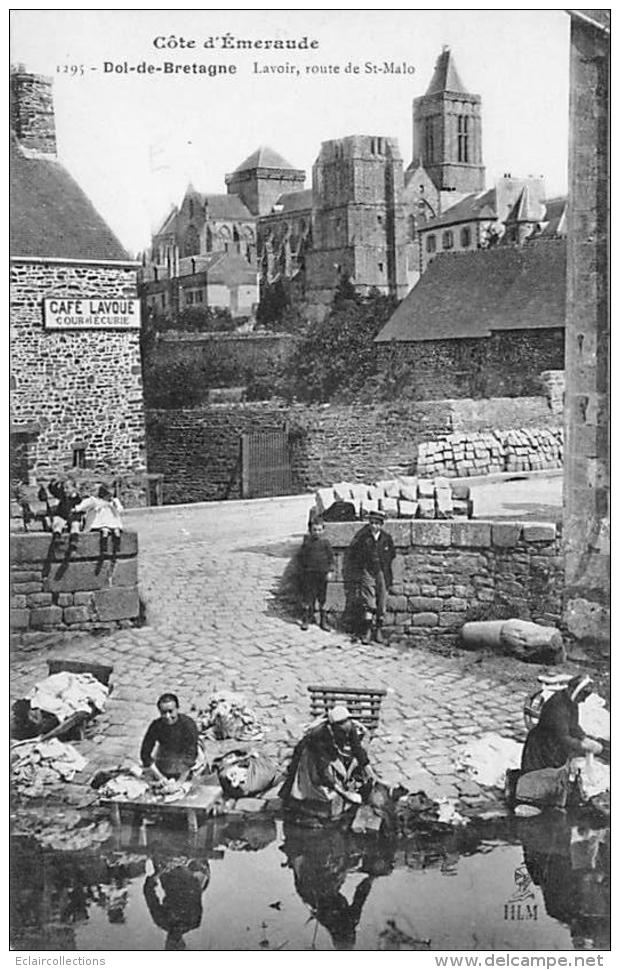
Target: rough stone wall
column 32, row 112
column 197, row 450
column 82, row 388
column 52, row 594
column 506, row 364
column 587, row 483
column 446, row 573
column 260, row 353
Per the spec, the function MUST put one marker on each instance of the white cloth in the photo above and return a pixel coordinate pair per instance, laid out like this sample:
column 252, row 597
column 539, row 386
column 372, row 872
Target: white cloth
column 595, row 776
column 594, row 717
column 488, row 758
column 40, row 762
column 65, row 694
column 125, row 786
column 101, row 513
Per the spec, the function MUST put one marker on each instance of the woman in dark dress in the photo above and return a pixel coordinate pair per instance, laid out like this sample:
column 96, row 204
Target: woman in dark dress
column 558, row 736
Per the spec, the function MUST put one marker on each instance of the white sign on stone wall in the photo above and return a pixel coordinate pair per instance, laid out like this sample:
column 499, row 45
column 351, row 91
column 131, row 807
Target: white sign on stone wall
column 91, row 313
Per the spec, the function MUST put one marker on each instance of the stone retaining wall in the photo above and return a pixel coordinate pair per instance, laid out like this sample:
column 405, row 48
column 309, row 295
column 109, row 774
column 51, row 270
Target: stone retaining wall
column 461, row 455
column 51, row 594
column 449, row 572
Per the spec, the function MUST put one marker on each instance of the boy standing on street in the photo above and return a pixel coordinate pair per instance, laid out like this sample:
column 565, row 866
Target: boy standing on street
column 372, row 552
column 316, row 559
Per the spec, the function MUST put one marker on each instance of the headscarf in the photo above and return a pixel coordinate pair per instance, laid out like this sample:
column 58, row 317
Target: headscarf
column 577, row 684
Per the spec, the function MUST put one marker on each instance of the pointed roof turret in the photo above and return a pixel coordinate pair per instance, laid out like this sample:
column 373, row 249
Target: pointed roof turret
column 523, row 210
column 445, row 76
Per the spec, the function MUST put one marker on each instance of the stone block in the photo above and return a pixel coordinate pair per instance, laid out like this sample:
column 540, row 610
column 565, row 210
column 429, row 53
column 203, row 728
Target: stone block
column 451, row 619
column 25, row 575
column 39, row 599
column 46, row 616
column 471, row 534
column 398, row 603
column 425, row 604
column 72, row 576
column 398, row 570
column 389, row 505
column 336, row 597
column 539, row 532
column 425, row 619
column 400, row 532
column 426, row 488
column 456, row 604
column 20, row 619
column 407, row 509
column 341, row 534
column 79, row 598
column 24, row 588
column 34, row 546
column 117, row 603
column 18, row 602
column 426, row 508
column 433, row 533
column 76, row 614
column 65, row 599
column 505, row 534
column 460, row 508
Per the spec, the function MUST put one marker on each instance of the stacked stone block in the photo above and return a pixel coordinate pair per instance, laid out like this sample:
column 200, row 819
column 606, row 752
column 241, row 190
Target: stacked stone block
column 449, row 572
column 53, row 592
column 462, row 455
column 400, row 498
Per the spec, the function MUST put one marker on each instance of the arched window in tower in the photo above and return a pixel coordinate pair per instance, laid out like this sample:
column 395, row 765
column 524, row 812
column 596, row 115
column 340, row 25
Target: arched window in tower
column 191, row 244
column 209, row 239
column 191, row 208
column 463, row 138
column 412, row 226
column 429, row 140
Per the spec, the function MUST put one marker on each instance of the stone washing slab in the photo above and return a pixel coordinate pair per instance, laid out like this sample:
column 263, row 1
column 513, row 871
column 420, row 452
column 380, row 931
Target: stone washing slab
column 35, row 546
column 85, row 575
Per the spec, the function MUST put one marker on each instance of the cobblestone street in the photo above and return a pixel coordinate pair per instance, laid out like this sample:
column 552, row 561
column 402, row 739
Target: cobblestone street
column 209, row 577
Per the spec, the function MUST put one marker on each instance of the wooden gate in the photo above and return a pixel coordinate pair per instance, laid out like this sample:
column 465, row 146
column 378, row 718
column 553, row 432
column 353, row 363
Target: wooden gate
column 265, row 464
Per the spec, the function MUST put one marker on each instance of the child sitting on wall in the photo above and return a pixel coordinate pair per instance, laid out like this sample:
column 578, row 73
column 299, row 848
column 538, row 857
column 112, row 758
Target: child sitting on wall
column 65, row 515
column 316, row 561
column 103, row 515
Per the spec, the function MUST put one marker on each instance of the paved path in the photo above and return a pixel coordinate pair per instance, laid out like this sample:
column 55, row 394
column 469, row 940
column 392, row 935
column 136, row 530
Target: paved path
column 209, row 575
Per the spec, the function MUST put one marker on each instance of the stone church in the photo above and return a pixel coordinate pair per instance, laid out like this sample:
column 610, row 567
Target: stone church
column 366, row 216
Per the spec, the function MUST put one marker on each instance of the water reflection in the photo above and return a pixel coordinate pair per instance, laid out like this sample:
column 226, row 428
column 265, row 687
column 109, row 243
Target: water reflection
column 321, row 862
column 364, row 890
column 571, row 864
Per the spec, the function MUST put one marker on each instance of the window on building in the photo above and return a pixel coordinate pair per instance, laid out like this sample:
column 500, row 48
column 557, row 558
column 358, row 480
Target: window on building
column 372, row 146
column 431, row 244
column 191, row 208
column 155, row 273
column 447, row 240
column 379, row 146
column 380, row 220
column 79, row 457
column 200, row 296
column 429, row 139
column 463, row 138
column 189, row 298
column 466, row 237
column 380, row 267
column 411, row 222
column 193, row 266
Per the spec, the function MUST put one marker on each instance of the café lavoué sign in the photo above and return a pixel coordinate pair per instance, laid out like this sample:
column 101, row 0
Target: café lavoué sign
column 91, row 313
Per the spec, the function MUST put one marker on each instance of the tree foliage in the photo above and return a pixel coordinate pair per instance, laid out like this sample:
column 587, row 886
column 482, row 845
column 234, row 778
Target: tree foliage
column 336, row 358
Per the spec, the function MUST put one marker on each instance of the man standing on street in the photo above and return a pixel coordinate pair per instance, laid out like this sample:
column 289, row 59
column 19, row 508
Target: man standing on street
column 372, row 553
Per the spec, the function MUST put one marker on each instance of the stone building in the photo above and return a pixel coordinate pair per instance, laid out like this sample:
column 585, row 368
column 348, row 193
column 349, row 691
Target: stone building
column 482, row 324
column 366, row 216
column 586, row 416
column 76, row 384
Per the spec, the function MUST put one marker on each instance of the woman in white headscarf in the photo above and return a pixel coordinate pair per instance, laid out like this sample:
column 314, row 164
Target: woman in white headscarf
column 557, row 736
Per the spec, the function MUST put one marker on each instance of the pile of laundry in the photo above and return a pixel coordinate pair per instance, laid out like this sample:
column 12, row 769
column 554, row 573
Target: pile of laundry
column 487, row 759
column 126, row 783
column 65, row 694
column 66, row 831
column 226, row 715
column 39, row 765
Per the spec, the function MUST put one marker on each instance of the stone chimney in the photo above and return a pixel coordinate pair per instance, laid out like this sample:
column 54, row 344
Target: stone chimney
column 32, row 111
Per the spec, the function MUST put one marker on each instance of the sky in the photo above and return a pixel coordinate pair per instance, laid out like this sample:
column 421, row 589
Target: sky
column 134, row 141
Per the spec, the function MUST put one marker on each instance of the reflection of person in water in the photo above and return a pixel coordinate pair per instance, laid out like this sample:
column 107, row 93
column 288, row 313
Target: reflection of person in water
column 320, row 867
column 571, row 866
column 182, row 883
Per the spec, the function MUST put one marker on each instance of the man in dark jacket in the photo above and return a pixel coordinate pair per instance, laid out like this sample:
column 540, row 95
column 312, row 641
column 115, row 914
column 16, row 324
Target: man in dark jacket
column 372, row 554
column 176, row 737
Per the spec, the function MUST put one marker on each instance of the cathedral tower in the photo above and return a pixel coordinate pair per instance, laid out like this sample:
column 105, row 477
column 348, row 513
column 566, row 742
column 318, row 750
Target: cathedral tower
column 447, row 131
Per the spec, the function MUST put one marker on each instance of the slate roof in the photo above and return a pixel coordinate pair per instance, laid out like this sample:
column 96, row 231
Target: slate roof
column 445, row 76
column 226, row 207
column 555, row 217
column 474, row 293
column 264, row 157
column 478, row 205
column 295, row 201
column 523, row 210
column 52, row 217
column 229, row 269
